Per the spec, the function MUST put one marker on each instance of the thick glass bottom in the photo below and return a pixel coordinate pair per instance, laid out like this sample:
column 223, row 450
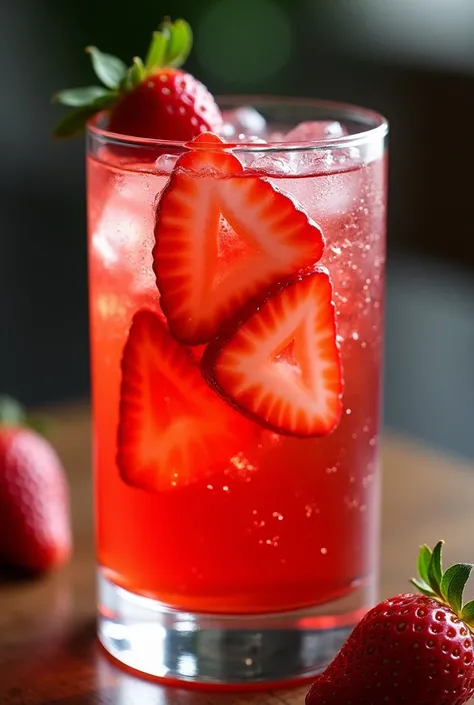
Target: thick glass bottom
column 231, row 651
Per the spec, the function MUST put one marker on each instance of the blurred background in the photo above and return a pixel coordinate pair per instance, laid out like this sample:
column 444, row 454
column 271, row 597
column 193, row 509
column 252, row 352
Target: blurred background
column 412, row 60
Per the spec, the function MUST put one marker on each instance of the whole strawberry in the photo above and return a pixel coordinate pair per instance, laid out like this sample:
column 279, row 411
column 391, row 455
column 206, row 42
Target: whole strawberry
column 153, row 98
column 35, row 533
column 410, row 649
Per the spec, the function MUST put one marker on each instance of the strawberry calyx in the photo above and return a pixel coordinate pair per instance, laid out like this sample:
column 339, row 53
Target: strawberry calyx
column 13, row 415
column 446, row 586
column 12, row 412
column 169, row 48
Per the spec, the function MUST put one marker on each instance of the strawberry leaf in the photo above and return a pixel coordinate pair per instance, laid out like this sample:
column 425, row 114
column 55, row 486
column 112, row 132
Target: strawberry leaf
column 170, row 46
column 73, row 123
column 453, row 583
column 422, row 587
column 156, row 52
column 78, row 97
column 135, row 74
column 467, row 613
column 109, row 69
column 424, row 558
column 179, row 45
column 435, row 568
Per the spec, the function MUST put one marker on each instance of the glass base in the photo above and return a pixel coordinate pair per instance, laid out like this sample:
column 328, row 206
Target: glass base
column 229, row 651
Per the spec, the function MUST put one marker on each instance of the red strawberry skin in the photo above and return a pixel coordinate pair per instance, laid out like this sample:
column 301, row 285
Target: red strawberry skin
column 170, row 105
column 408, row 650
column 35, row 532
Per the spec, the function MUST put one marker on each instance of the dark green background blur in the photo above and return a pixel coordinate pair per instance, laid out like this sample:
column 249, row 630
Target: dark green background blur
column 413, row 60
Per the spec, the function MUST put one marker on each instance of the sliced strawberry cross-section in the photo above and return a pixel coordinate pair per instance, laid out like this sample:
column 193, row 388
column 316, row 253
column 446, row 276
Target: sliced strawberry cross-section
column 221, row 237
column 173, row 429
column 280, row 365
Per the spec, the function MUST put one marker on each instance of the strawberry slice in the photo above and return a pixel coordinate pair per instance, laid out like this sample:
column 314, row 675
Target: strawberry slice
column 221, row 237
column 281, row 365
column 173, row 429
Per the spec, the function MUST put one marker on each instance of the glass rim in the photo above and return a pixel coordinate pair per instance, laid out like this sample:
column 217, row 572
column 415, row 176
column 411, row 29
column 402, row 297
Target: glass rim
column 376, row 127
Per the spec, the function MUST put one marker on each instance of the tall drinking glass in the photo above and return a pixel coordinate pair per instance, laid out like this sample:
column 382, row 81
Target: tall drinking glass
column 236, row 304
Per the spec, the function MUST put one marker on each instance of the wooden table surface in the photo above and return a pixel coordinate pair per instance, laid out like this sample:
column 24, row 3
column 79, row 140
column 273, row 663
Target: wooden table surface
column 48, row 653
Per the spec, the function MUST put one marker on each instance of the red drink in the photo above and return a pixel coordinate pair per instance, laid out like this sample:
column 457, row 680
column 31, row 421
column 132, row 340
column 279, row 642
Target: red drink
column 263, row 522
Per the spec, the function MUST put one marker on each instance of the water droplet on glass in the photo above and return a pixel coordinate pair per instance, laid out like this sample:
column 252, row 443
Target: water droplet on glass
column 332, row 470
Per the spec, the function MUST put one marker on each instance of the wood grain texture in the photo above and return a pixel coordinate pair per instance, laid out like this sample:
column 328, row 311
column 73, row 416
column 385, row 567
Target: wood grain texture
column 48, row 652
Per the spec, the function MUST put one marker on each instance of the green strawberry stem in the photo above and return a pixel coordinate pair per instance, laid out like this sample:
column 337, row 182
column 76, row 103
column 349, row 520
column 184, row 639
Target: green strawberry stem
column 169, row 48
column 445, row 586
column 12, row 413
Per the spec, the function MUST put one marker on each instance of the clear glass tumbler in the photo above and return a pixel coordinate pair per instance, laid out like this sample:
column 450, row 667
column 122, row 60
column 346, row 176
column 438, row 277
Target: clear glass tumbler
column 236, row 303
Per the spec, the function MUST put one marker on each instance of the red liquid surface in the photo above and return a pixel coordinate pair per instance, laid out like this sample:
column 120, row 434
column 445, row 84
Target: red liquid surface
column 286, row 523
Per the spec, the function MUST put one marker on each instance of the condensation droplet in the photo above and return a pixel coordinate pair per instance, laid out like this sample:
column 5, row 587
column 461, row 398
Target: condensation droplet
column 311, row 509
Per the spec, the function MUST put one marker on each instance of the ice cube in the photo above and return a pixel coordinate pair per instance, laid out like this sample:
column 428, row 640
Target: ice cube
column 270, row 165
column 244, row 120
column 312, row 131
column 122, row 239
column 166, row 163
